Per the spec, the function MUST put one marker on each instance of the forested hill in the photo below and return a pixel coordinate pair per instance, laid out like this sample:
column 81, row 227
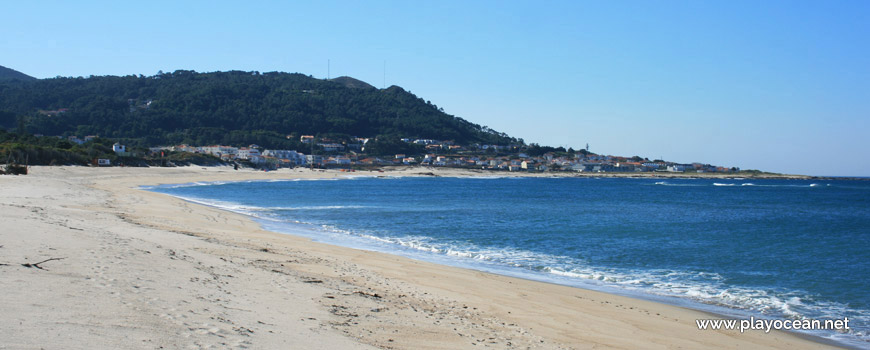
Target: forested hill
column 235, row 108
column 11, row 74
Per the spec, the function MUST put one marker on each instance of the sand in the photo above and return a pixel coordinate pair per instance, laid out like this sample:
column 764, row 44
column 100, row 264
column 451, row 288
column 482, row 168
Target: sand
column 141, row 270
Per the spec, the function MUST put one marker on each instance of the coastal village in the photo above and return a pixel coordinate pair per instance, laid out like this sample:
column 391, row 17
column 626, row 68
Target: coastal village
column 514, row 158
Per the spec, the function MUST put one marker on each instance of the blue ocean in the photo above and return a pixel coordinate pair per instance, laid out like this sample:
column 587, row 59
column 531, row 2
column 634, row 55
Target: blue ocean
column 765, row 248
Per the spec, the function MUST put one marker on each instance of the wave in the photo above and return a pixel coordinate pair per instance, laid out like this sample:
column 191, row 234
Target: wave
column 381, row 177
column 750, row 184
column 703, row 288
column 183, row 185
column 248, row 209
column 798, row 186
column 665, row 183
column 226, row 205
column 218, row 183
column 317, row 207
column 706, row 288
column 309, row 179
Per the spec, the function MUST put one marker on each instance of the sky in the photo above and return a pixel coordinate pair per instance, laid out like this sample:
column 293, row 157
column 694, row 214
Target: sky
column 780, row 86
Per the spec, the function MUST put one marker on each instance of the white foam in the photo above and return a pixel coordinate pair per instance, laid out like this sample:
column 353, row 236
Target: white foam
column 705, row 288
column 316, row 207
column 665, row 183
column 226, row 205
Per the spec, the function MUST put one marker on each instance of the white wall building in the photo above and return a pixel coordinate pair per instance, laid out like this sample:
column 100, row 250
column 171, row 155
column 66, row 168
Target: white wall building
column 294, row 157
column 220, row 150
column 248, row 153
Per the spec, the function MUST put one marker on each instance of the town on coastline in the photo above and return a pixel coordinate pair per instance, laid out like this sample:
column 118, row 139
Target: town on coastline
column 327, row 153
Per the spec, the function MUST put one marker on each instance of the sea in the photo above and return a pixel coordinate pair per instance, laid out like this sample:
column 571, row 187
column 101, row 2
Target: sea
column 774, row 249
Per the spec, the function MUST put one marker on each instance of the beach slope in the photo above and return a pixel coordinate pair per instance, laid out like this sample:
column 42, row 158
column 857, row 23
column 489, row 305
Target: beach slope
column 127, row 268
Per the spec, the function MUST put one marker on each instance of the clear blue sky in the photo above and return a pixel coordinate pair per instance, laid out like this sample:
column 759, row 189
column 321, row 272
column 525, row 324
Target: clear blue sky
column 774, row 85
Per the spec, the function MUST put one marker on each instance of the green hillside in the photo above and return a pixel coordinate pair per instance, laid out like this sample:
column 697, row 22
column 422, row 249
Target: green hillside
column 236, row 108
column 11, row 74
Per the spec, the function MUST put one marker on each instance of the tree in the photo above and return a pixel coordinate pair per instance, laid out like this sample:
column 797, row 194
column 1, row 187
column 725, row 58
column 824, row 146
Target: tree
column 208, row 108
column 22, row 125
column 391, row 145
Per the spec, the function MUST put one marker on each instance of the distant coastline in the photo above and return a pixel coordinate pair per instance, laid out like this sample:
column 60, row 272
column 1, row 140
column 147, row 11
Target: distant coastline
column 434, row 171
column 416, row 170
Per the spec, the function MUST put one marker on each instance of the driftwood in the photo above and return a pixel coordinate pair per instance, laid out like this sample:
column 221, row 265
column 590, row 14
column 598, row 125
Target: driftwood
column 36, row 265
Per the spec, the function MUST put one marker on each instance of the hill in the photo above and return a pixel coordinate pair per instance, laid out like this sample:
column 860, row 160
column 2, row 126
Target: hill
column 352, row 83
column 236, row 108
column 11, row 74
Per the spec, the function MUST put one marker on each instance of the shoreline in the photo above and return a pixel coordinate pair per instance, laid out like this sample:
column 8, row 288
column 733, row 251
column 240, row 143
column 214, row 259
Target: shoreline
column 640, row 175
column 367, row 298
column 671, row 301
column 713, row 310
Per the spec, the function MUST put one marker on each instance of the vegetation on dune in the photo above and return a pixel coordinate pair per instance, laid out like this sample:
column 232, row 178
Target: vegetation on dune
column 28, row 149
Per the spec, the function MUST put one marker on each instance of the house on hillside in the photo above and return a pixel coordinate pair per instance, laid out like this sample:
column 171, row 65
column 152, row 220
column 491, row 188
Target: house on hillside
column 119, row 149
column 331, row 147
column 248, row 153
column 293, row 157
column 314, row 159
column 220, row 151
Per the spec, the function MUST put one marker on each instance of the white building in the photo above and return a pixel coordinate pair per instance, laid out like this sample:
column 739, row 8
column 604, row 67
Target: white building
column 248, row 153
column 331, row 147
column 220, row 150
column 339, row 160
column 294, row 157
column 313, row 159
column 184, row 148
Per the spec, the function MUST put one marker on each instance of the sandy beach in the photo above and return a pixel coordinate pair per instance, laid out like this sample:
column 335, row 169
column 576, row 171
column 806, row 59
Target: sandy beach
column 131, row 269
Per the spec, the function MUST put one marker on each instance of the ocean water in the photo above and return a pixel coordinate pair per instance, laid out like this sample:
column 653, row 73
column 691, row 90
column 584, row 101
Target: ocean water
column 765, row 248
